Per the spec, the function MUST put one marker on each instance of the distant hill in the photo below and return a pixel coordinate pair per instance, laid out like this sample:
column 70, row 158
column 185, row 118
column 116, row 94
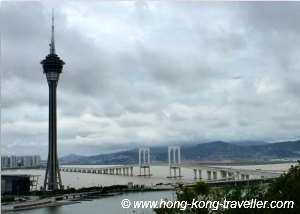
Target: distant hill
column 73, row 158
column 249, row 142
column 217, row 151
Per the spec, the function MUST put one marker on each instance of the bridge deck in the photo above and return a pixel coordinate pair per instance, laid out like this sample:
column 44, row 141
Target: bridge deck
column 233, row 171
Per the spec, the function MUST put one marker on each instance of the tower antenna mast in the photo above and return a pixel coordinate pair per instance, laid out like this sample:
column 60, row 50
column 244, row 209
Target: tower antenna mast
column 52, row 45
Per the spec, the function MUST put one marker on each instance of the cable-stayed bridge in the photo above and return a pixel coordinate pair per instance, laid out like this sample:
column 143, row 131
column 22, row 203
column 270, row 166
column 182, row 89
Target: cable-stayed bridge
column 199, row 172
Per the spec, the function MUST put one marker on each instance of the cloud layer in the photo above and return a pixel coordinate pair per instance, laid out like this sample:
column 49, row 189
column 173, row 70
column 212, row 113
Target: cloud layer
column 150, row 73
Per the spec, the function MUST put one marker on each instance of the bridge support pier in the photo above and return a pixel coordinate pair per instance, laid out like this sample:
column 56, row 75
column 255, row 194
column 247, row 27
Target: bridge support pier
column 208, row 175
column 215, row 175
column 131, row 171
column 230, row 176
column 200, row 174
column 223, row 175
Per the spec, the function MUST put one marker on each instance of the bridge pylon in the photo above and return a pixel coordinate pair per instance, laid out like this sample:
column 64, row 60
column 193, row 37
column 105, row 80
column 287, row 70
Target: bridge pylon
column 144, row 161
column 174, row 161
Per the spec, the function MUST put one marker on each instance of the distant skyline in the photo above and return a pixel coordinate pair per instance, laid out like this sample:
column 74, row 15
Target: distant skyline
column 150, row 73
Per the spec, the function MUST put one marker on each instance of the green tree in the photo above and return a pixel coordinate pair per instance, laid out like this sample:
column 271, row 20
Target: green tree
column 286, row 188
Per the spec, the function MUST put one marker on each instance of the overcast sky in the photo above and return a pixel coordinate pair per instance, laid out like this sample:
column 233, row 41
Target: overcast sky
column 150, row 73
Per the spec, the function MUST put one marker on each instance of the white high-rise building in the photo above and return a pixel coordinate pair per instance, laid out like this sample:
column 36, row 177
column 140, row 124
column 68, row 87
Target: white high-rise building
column 5, row 162
column 23, row 161
column 36, row 160
column 27, row 161
column 13, row 162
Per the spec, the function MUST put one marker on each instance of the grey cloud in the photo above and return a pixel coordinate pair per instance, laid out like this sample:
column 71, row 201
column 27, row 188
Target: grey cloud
column 151, row 73
column 272, row 16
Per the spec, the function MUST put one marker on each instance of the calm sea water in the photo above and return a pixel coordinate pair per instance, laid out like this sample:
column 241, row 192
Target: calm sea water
column 112, row 204
column 108, row 205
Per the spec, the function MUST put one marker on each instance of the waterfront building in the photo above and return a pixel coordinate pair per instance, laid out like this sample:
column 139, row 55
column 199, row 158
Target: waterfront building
column 15, row 184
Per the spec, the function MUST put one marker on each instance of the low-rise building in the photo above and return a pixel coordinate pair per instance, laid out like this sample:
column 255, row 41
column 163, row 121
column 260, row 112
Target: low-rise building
column 15, row 184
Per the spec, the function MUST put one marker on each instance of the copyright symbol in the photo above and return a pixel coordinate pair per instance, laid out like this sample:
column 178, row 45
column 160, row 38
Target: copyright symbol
column 125, row 203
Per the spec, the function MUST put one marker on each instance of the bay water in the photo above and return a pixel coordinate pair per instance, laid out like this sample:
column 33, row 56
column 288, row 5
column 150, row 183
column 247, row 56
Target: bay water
column 112, row 204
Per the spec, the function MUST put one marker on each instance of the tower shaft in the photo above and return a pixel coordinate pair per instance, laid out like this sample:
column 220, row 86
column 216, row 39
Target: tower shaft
column 52, row 178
